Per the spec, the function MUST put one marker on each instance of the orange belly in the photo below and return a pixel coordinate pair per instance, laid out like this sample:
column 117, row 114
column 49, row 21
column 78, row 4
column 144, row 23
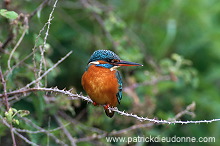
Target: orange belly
column 101, row 85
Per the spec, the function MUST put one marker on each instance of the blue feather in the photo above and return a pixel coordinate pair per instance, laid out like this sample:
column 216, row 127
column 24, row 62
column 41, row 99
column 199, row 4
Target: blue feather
column 103, row 55
column 119, row 94
column 105, row 65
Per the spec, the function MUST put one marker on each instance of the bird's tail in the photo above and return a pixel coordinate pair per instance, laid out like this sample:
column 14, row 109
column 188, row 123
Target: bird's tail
column 109, row 113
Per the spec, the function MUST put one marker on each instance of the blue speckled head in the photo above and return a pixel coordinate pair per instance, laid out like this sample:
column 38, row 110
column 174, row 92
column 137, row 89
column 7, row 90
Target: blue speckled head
column 103, row 55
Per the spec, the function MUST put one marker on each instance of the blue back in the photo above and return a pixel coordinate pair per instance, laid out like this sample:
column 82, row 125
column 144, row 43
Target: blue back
column 119, row 94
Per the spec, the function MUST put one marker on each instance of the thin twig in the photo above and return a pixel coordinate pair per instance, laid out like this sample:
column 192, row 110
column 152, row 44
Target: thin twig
column 56, row 90
column 34, row 49
column 28, row 56
column 79, row 124
column 4, row 90
column 40, row 131
column 113, row 133
column 9, row 39
column 58, row 141
column 66, row 132
column 36, row 40
column 11, row 35
column 42, row 61
column 39, row 8
column 6, row 5
column 188, row 110
column 46, row 72
column 153, row 81
column 7, row 104
column 123, row 113
column 19, row 41
column 100, row 21
column 17, row 133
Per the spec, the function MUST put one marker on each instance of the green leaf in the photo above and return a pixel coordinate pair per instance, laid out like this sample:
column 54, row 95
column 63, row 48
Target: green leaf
column 24, row 113
column 8, row 14
column 15, row 121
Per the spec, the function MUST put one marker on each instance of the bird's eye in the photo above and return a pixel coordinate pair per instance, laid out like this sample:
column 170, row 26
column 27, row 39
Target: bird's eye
column 114, row 60
column 108, row 60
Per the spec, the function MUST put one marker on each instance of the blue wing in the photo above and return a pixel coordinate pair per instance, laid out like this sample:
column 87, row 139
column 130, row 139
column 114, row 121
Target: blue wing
column 119, row 94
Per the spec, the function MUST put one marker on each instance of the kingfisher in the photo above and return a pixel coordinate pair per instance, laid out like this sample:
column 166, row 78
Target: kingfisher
column 102, row 82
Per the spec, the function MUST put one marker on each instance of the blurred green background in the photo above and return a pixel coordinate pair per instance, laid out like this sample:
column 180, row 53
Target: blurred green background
column 176, row 40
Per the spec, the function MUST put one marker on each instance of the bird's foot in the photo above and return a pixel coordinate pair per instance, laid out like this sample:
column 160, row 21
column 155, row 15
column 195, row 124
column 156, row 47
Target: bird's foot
column 106, row 106
column 95, row 104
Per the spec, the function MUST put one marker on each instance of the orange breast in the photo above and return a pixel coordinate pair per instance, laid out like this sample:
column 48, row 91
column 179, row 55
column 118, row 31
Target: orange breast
column 101, row 85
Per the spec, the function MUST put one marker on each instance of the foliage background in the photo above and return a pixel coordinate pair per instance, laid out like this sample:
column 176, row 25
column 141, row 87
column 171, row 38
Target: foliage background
column 151, row 32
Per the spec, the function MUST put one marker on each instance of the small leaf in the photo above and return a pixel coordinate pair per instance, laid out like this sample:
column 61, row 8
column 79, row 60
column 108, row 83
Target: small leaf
column 14, row 110
column 176, row 57
column 24, row 113
column 2, row 11
column 8, row 14
column 10, row 111
column 8, row 116
column 16, row 121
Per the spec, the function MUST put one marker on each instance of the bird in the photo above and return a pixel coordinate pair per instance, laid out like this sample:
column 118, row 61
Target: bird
column 102, row 81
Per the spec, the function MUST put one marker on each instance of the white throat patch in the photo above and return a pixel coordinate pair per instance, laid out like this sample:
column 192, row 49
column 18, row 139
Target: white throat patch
column 114, row 68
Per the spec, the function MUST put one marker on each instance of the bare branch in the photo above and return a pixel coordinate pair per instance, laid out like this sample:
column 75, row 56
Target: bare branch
column 94, row 136
column 58, row 141
column 39, row 8
column 28, row 56
column 18, row 134
column 40, row 131
column 7, row 105
column 4, row 90
column 100, row 21
column 45, row 73
column 66, row 132
column 19, row 41
column 153, row 81
column 78, row 123
column 123, row 113
column 161, row 121
column 188, row 110
column 42, row 49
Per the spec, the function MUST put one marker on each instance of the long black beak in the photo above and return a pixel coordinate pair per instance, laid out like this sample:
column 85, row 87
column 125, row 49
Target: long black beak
column 127, row 63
